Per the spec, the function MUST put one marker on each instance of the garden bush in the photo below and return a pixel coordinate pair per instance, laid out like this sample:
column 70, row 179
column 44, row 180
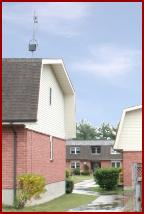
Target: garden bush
column 107, row 178
column 85, row 170
column 69, row 186
column 29, row 186
column 76, row 171
column 67, row 173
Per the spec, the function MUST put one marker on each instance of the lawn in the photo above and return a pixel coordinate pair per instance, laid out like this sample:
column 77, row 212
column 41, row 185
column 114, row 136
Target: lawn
column 118, row 190
column 61, row 204
column 79, row 178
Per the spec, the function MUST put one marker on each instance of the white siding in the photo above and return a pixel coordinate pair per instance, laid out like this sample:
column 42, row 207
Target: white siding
column 130, row 137
column 70, row 126
column 50, row 117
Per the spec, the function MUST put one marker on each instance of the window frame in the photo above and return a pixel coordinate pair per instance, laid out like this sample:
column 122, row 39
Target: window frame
column 96, row 150
column 74, row 149
column 115, row 163
column 75, row 165
column 113, row 152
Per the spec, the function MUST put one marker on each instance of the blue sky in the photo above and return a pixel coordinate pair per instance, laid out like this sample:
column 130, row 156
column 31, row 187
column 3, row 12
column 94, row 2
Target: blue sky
column 100, row 44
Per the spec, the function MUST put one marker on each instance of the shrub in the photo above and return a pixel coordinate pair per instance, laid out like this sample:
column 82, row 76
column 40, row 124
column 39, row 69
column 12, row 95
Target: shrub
column 29, row 186
column 85, row 170
column 85, row 173
column 76, row 171
column 67, row 173
column 69, row 186
column 107, row 178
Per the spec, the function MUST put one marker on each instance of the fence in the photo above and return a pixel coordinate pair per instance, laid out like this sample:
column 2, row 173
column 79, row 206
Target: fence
column 137, row 182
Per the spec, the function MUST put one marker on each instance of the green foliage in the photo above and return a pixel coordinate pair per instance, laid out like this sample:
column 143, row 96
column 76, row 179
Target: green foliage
column 85, row 170
column 107, row 178
column 85, row 131
column 106, row 132
column 29, row 186
column 67, row 173
column 69, row 186
column 76, row 171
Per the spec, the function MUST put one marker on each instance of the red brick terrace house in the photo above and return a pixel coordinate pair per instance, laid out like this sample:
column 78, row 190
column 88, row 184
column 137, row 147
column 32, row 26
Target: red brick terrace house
column 38, row 116
column 94, row 153
column 129, row 141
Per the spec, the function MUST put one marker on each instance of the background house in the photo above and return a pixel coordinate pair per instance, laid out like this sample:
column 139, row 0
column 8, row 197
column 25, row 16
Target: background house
column 98, row 153
column 129, row 140
column 38, row 115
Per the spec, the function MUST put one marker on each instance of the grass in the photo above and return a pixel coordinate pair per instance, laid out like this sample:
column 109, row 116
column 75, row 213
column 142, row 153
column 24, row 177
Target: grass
column 61, row 204
column 79, row 178
column 118, row 190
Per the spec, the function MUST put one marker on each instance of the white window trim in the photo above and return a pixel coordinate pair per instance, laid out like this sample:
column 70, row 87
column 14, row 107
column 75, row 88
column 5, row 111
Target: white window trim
column 75, row 164
column 115, row 162
column 96, row 148
column 51, row 148
column 113, row 151
column 75, row 150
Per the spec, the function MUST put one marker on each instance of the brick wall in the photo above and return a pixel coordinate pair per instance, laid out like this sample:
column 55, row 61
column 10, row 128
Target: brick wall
column 7, row 155
column 38, row 156
column 68, row 163
column 128, row 159
column 33, row 156
column 105, row 164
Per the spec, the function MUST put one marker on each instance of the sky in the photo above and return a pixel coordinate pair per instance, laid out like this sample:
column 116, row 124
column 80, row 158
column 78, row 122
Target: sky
column 100, row 44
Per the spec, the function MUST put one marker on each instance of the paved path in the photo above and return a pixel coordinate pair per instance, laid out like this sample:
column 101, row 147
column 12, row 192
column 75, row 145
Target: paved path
column 102, row 203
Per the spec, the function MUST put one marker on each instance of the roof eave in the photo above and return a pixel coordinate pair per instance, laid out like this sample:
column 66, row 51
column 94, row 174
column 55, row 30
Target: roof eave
column 59, row 62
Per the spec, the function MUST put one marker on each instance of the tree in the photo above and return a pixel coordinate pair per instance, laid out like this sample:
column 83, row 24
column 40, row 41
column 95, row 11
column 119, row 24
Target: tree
column 107, row 132
column 85, row 131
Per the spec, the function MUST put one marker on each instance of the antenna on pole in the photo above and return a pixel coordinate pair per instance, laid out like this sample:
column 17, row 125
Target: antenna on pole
column 33, row 42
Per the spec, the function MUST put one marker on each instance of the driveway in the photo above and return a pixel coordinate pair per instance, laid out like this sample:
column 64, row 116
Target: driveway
column 102, row 203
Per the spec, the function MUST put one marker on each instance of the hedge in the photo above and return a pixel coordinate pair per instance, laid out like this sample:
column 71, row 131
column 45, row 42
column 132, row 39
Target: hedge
column 69, row 186
column 107, row 178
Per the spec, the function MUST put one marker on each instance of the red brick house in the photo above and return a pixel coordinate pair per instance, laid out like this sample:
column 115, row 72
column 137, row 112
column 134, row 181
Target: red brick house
column 38, row 116
column 129, row 141
column 94, row 153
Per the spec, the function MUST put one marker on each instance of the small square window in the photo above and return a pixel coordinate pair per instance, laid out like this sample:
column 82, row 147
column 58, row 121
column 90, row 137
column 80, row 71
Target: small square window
column 96, row 149
column 116, row 164
column 72, row 150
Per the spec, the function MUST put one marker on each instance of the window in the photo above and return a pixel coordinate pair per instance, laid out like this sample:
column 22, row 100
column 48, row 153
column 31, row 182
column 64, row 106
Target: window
column 116, row 164
column 50, row 96
column 96, row 149
column 51, row 148
column 75, row 165
column 113, row 151
column 77, row 150
column 74, row 150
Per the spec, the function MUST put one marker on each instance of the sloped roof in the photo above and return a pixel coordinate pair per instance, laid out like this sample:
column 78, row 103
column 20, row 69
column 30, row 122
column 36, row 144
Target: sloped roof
column 130, row 109
column 20, row 89
column 89, row 142
column 20, row 86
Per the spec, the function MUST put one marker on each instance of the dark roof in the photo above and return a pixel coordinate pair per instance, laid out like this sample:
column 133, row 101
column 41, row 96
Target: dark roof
column 90, row 142
column 20, row 89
